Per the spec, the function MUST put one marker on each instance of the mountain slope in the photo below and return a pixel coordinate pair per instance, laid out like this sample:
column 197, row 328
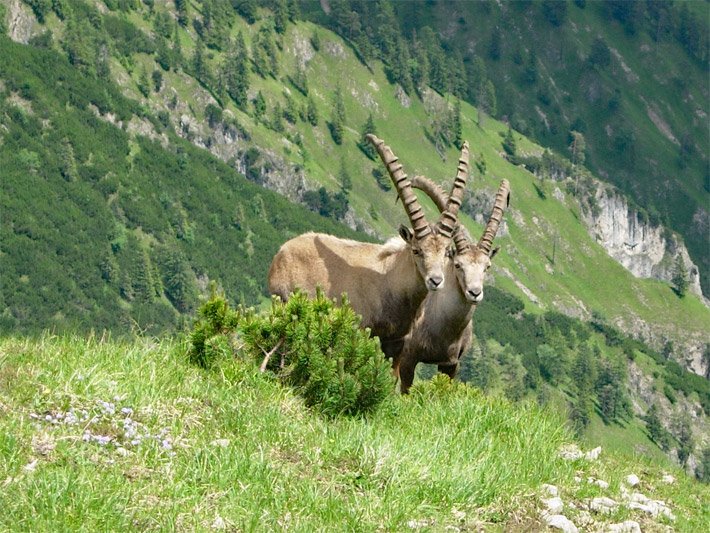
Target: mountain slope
column 129, row 435
column 105, row 148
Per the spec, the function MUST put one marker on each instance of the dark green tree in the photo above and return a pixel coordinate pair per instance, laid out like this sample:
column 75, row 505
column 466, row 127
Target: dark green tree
column 157, row 78
column 600, row 55
column 509, row 144
column 494, row 47
column 680, row 277
column 181, row 9
column 346, row 182
column 684, row 435
column 337, row 122
column 178, row 60
column 264, row 53
column 293, row 9
column 311, row 112
column 280, row 16
column 363, row 143
column 456, row 127
column 235, row 72
column 247, row 9
column 200, row 67
column 259, row 106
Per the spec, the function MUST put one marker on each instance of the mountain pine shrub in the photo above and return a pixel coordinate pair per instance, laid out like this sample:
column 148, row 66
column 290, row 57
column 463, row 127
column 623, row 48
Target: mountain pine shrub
column 312, row 345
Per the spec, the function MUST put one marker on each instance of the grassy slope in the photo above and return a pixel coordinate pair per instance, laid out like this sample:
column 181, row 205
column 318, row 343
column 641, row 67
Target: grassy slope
column 279, row 466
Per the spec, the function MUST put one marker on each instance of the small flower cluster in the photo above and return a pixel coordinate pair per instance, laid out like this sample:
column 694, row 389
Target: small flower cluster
column 106, row 424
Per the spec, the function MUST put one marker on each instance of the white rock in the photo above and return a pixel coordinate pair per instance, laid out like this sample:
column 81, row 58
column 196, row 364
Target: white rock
column 598, row 482
column 219, row 523
column 593, row 455
column 550, row 489
column 632, row 480
column 571, row 452
column 667, row 478
column 630, row 526
column 30, row 467
column 559, row 521
column 222, row 443
column 122, row 451
column 554, row 505
column 603, row 504
column 638, row 498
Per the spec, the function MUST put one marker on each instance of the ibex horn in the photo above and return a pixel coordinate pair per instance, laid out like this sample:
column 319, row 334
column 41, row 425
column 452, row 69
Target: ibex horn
column 449, row 217
column 501, row 203
column 440, row 198
column 404, row 187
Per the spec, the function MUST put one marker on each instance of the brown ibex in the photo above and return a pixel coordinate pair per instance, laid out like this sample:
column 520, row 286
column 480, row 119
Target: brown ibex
column 384, row 283
column 442, row 329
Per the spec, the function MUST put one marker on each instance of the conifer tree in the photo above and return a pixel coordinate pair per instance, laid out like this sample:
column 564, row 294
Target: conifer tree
column 200, row 67
column 577, row 147
column 264, row 52
column 259, row 106
column 487, row 104
column 181, row 9
column 680, row 277
column 68, row 161
column 311, row 112
column 363, row 143
column 235, row 72
column 509, row 143
column 178, row 60
column 456, row 128
column 337, row 123
column 162, row 54
column 280, row 16
column 293, row 9
column 346, row 182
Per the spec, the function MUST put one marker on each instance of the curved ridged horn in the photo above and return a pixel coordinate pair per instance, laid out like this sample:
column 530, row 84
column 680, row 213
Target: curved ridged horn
column 440, row 198
column 449, row 217
column 501, row 203
column 403, row 185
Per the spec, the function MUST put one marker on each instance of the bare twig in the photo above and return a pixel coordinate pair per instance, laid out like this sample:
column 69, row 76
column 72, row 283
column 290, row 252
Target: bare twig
column 267, row 355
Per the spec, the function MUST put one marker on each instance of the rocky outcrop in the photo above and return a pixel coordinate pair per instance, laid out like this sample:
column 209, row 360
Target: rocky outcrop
column 645, row 250
column 21, row 23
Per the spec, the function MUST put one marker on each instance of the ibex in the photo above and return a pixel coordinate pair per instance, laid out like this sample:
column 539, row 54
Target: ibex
column 384, row 283
column 442, row 329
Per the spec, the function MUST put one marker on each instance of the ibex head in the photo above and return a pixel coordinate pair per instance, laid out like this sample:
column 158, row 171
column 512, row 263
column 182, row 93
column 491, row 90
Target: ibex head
column 471, row 261
column 428, row 242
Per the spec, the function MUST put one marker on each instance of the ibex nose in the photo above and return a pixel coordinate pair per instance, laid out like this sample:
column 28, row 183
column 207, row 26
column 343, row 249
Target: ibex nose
column 474, row 295
column 435, row 281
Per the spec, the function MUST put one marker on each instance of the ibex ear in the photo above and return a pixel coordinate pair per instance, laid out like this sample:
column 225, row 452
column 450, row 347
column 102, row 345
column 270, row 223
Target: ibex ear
column 494, row 252
column 406, row 233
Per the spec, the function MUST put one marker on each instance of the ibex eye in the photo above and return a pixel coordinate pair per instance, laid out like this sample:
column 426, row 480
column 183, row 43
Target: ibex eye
column 457, row 265
column 415, row 252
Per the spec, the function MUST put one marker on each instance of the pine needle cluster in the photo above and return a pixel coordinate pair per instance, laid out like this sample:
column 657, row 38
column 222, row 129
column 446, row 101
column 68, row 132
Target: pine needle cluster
column 312, row 345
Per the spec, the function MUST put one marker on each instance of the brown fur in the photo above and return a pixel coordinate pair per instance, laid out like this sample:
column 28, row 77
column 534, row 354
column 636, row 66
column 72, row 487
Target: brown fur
column 385, row 284
column 442, row 330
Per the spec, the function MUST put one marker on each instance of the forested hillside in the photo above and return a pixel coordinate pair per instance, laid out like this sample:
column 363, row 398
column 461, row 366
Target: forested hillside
column 103, row 229
column 140, row 144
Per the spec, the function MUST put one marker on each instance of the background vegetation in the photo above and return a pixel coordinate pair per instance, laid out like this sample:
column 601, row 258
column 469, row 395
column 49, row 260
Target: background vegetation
column 115, row 217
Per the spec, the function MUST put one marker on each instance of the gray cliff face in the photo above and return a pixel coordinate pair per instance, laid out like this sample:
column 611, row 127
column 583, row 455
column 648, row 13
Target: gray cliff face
column 644, row 250
column 21, row 23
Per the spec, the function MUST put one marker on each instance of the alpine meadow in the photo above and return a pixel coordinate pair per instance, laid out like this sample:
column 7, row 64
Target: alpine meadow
column 361, row 265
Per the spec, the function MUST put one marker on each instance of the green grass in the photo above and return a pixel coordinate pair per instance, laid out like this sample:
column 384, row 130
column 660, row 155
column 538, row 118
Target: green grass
column 233, row 446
